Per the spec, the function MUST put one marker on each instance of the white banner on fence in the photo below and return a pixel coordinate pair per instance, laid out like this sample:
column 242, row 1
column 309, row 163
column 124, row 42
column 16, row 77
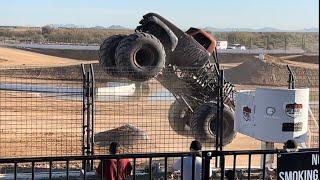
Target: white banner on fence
column 273, row 115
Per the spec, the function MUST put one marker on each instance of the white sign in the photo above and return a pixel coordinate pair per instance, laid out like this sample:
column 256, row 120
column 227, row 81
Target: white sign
column 273, row 115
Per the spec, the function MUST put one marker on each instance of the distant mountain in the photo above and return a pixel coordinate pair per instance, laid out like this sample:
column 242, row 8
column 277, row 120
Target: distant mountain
column 310, row 30
column 80, row 26
column 65, row 26
column 116, row 27
column 265, row 29
column 98, row 27
column 228, row 29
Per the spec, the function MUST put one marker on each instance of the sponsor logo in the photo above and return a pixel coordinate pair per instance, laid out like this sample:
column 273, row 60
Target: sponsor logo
column 270, row 111
column 293, row 110
column 246, row 111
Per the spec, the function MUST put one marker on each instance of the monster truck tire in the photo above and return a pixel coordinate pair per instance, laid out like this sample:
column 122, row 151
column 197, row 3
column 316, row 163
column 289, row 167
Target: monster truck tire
column 140, row 56
column 179, row 117
column 107, row 53
column 204, row 122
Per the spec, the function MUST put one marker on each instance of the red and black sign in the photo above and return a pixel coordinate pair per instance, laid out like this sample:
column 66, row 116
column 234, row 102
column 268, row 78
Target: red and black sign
column 292, row 127
column 293, row 110
column 246, row 111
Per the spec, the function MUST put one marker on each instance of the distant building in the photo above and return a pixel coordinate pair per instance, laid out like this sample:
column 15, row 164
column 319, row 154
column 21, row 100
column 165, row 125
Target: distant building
column 222, row 44
column 236, row 46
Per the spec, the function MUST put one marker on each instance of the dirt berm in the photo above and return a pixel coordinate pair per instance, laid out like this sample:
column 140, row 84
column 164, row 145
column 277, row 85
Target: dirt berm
column 71, row 73
column 273, row 71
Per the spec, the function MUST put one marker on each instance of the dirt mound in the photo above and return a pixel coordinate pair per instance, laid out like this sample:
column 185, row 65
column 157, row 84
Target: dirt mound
column 127, row 135
column 70, row 73
column 234, row 57
column 272, row 71
column 314, row 59
column 69, row 53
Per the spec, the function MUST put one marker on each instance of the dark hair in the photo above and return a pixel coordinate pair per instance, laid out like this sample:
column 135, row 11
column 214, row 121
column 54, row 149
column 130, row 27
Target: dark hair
column 291, row 144
column 231, row 175
column 196, row 145
column 114, row 146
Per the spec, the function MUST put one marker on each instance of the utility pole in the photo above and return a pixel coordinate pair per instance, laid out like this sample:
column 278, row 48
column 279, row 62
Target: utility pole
column 267, row 43
column 285, row 44
column 303, row 41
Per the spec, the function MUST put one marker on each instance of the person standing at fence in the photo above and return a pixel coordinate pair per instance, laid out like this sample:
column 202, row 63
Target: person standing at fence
column 291, row 146
column 231, row 175
column 109, row 167
column 187, row 163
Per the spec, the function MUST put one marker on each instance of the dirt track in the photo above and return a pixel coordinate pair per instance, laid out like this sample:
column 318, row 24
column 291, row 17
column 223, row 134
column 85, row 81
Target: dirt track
column 18, row 58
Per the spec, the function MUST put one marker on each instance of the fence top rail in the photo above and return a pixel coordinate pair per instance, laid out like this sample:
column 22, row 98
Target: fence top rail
column 93, row 157
column 146, row 155
column 252, row 152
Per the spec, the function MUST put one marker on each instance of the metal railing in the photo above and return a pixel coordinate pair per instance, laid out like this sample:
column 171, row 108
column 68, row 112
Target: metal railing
column 247, row 172
column 143, row 165
column 68, row 172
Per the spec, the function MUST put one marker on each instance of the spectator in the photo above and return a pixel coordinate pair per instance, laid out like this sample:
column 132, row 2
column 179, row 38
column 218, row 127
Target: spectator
column 290, row 146
column 187, row 163
column 231, row 175
column 271, row 172
column 110, row 166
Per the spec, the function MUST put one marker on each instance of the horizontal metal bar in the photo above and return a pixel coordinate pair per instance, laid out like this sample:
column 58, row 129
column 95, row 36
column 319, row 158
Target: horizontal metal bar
column 78, row 158
column 247, row 152
column 148, row 155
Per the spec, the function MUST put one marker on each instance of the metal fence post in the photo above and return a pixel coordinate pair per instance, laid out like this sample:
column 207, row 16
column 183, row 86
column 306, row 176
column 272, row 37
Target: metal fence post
column 206, row 164
column 291, row 81
column 221, row 106
column 88, row 120
column 84, row 85
column 88, row 116
column 193, row 165
column 218, row 109
column 217, row 124
column 222, row 165
column 219, row 120
column 92, row 95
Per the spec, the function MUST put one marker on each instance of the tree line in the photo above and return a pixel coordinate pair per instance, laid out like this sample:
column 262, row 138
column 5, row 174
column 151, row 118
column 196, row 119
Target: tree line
column 308, row 41
column 266, row 40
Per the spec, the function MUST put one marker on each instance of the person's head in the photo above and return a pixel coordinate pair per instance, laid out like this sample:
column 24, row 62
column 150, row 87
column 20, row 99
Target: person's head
column 290, row 145
column 195, row 146
column 230, row 175
column 114, row 148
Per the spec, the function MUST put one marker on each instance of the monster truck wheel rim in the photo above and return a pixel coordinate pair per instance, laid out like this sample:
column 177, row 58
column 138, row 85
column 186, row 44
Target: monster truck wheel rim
column 212, row 127
column 145, row 57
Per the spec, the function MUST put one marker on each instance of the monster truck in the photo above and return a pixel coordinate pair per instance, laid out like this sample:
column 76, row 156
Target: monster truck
column 183, row 62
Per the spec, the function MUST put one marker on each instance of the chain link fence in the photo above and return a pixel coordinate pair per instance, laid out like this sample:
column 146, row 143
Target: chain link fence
column 299, row 42
column 41, row 112
column 305, row 79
